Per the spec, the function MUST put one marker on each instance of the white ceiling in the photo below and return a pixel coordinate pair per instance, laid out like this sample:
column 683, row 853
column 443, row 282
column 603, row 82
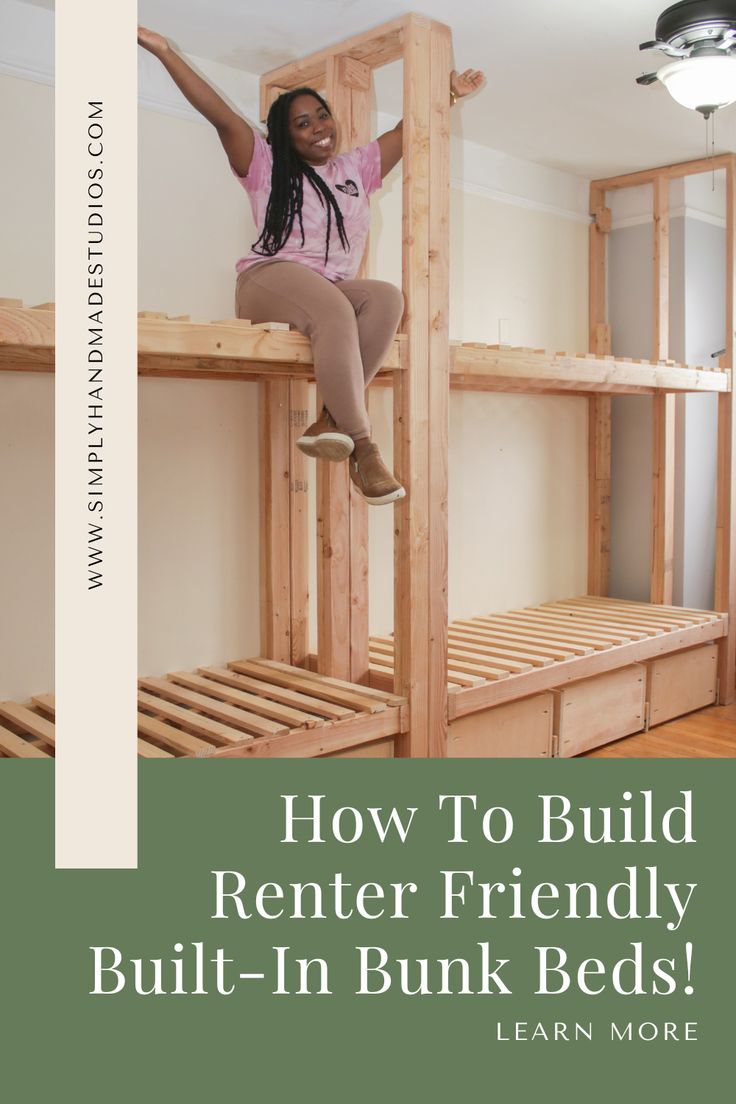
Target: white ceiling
column 561, row 73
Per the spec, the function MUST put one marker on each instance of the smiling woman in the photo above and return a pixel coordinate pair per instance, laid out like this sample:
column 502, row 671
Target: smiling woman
column 311, row 208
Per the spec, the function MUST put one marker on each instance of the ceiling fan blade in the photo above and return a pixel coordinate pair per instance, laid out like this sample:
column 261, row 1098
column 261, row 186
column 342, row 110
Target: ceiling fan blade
column 646, row 78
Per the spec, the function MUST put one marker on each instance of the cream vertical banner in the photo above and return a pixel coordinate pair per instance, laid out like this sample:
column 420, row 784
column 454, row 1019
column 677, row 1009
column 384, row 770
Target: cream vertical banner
column 96, row 434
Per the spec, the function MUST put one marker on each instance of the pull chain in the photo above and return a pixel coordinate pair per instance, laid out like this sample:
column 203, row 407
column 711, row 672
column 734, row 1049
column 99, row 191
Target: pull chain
column 710, row 147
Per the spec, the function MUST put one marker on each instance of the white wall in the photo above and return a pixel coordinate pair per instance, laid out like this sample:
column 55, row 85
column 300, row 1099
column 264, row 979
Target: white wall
column 517, row 465
column 198, row 469
column 697, row 329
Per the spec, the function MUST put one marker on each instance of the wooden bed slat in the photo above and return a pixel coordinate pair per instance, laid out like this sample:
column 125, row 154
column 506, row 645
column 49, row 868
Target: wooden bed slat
column 221, row 711
column 280, row 714
column 170, row 737
column 695, row 616
column 191, row 721
column 311, row 705
column 270, row 671
column 47, row 704
column 473, row 643
column 29, row 721
column 543, row 636
column 648, row 616
column 18, row 748
column 364, row 691
column 534, row 644
column 150, row 751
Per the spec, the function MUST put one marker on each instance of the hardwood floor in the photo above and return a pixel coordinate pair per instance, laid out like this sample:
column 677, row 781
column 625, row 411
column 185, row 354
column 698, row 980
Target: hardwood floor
column 708, row 734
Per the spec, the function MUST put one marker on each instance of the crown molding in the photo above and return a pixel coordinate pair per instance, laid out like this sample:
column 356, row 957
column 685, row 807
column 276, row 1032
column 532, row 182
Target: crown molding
column 26, row 72
column 676, row 212
column 498, row 196
column 26, row 42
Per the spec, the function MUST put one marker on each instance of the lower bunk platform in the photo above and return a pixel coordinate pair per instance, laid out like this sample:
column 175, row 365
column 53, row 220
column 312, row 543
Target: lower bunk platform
column 557, row 679
column 249, row 708
column 561, row 678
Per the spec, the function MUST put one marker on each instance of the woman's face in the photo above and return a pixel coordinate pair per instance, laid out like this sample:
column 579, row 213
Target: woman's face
column 312, row 129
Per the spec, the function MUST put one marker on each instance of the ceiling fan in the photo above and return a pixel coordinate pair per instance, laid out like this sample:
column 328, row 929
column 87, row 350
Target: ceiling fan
column 701, row 35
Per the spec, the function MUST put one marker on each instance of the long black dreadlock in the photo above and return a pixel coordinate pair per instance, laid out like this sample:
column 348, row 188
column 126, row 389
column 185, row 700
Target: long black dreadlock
column 287, row 183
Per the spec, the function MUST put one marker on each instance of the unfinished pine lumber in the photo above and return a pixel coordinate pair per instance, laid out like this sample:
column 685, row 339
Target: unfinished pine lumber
column 503, row 657
column 251, row 708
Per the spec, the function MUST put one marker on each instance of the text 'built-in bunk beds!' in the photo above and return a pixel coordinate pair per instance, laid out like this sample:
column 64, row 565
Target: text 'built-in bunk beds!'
column 554, row 679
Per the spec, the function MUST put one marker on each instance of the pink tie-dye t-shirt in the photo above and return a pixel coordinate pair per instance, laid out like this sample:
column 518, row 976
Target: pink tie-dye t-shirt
column 351, row 177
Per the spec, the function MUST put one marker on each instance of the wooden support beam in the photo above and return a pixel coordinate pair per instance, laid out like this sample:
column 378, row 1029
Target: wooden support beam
column 275, row 584
column 599, row 406
column 333, row 480
column 669, row 172
column 663, row 498
column 661, row 269
column 269, row 93
column 298, row 525
column 373, row 48
column 421, row 396
column 356, row 75
column 359, row 78
column 663, row 408
column 342, row 515
column 499, row 369
column 333, row 571
column 599, row 493
column 439, row 383
column 725, row 596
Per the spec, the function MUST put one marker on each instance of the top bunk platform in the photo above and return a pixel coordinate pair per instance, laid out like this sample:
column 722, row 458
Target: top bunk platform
column 178, row 347
column 478, row 367
column 181, row 347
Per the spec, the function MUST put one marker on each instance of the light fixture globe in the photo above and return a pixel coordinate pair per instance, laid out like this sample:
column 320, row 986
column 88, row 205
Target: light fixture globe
column 701, row 83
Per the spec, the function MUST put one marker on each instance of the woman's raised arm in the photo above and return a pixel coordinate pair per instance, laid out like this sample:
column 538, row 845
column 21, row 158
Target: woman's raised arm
column 390, row 143
column 235, row 134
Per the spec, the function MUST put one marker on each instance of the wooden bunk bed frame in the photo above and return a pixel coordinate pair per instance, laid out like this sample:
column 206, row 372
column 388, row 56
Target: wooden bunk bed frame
column 501, row 684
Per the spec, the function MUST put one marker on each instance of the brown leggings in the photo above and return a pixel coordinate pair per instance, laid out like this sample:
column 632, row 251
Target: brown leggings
column 351, row 325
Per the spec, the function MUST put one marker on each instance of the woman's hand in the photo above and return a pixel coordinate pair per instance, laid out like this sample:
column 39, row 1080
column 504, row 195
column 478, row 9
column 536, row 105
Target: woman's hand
column 462, row 84
column 153, row 42
column 234, row 133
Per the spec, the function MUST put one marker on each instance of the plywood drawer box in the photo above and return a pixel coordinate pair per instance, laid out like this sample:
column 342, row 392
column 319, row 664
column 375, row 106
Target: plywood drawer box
column 682, row 682
column 597, row 710
column 519, row 730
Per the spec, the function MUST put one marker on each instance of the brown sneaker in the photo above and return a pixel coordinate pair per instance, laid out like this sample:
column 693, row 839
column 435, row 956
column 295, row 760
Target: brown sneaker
column 324, row 441
column 371, row 476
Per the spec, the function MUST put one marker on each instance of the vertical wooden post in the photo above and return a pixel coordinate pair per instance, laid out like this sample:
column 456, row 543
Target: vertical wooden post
column 421, row 396
column 298, row 525
column 360, row 78
column 725, row 598
column 283, row 509
column 284, row 591
column 342, row 519
column 599, row 406
column 275, row 587
column 269, row 93
column 663, row 409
